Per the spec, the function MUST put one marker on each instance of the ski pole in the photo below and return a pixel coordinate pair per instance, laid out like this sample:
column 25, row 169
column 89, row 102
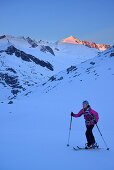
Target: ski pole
column 102, row 137
column 69, row 131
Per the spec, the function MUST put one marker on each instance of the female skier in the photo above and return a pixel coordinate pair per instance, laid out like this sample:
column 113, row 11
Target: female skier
column 91, row 118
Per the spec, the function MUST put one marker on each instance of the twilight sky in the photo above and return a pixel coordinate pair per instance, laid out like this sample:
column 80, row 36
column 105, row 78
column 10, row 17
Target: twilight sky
column 53, row 20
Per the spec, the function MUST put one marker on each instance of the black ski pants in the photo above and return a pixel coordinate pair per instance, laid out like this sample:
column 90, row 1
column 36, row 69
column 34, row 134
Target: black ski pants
column 89, row 134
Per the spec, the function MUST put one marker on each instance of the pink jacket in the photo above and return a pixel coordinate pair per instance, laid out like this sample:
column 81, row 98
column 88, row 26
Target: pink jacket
column 89, row 117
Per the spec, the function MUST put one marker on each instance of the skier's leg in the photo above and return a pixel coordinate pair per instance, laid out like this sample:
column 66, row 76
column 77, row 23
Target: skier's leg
column 89, row 135
column 92, row 136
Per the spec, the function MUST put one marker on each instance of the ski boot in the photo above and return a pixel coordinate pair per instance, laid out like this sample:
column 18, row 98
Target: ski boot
column 94, row 145
column 87, row 146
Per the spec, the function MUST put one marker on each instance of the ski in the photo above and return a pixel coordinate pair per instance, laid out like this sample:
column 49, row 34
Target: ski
column 80, row 148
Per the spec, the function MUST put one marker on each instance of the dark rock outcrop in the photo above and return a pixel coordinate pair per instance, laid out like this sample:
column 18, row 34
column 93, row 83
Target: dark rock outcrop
column 52, row 78
column 3, row 36
column 31, row 42
column 92, row 62
column 11, row 70
column 11, row 81
column 10, row 102
column 27, row 57
column 72, row 68
column 47, row 49
column 112, row 55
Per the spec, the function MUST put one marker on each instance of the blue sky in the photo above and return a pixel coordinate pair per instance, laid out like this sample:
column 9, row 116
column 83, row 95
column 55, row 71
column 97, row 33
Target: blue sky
column 53, row 20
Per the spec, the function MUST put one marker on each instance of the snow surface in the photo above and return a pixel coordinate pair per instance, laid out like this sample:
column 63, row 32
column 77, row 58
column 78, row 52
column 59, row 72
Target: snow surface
column 34, row 129
column 30, row 75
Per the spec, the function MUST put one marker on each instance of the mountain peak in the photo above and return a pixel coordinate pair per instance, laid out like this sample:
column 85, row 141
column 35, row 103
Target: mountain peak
column 73, row 40
column 71, row 37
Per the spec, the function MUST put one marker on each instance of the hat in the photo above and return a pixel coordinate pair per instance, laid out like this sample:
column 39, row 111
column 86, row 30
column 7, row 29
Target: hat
column 86, row 102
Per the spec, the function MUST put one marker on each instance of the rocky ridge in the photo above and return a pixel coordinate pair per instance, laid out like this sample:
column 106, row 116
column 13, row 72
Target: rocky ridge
column 73, row 40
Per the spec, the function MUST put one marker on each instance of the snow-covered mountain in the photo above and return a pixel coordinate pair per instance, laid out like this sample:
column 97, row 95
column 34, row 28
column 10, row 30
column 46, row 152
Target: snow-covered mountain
column 74, row 40
column 34, row 129
column 25, row 63
column 98, row 67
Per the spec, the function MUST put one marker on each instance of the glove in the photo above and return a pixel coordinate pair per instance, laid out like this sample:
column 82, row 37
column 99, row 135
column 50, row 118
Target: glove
column 72, row 114
column 95, row 122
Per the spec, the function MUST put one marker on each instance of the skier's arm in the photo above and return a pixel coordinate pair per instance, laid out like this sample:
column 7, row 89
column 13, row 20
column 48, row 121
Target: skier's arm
column 79, row 114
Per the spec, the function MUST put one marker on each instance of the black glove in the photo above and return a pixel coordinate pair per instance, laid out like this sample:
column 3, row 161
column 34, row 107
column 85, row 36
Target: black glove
column 72, row 114
column 95, row 122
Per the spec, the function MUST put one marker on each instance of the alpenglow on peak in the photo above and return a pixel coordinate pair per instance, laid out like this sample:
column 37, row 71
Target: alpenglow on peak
column 74, row 40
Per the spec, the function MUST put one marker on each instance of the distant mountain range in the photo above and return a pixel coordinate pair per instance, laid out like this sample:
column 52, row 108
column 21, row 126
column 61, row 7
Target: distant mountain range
column 26, row 64
column 73, row 40
column 70, row 39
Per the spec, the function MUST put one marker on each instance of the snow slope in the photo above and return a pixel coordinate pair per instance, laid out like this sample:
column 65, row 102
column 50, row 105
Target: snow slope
column 25, row 63
column 92, row 69
column 34, row 132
